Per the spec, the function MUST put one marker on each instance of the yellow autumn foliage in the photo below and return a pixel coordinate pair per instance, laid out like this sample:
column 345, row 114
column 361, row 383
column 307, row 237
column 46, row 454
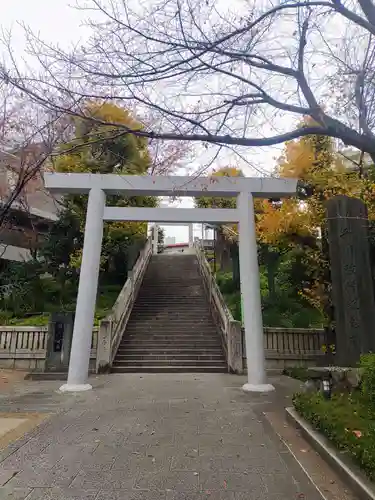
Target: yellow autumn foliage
column 315, row 163
column 98, row 148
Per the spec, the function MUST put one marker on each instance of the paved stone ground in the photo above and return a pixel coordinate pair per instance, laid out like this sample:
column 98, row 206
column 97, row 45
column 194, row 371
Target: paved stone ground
column 149, row 437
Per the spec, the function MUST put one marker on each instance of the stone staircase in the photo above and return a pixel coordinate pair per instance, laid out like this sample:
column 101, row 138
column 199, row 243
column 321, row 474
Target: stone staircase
column 170, row 328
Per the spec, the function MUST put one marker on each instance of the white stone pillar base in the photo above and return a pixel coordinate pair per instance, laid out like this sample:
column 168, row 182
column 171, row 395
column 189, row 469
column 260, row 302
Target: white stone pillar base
column 75, row 387
column 258, row 388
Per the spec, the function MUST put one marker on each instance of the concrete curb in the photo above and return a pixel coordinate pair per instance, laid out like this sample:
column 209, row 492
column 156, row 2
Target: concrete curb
column 348, row 472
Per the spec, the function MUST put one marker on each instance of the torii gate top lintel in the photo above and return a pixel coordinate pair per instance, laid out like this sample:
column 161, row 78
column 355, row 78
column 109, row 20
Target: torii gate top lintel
column 149, row 185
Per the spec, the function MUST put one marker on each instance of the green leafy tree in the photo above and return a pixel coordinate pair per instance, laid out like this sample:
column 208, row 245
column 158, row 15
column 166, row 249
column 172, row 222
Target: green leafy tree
column 98, row 150
column 226, row 245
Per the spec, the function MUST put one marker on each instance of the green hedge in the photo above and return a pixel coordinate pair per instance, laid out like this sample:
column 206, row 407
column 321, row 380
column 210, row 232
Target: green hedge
column 297, row 372
column 107, row 295
column 346, row 421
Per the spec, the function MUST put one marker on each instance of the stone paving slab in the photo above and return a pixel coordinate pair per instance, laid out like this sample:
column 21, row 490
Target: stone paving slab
column 167, row 437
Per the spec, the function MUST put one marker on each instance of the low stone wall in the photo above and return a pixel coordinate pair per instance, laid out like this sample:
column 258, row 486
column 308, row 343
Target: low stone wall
column 286, row 347
column 25, row 348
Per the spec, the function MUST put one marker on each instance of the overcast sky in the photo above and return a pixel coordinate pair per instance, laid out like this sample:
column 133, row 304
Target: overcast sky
column 58, row 22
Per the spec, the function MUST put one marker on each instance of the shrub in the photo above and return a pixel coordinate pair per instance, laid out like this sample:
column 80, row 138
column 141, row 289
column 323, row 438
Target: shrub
column 367, row 364
column 297, row 372
column 5, row 317
column 345, row 420
column 38, row 320
column 225, row 283
column 283, row 309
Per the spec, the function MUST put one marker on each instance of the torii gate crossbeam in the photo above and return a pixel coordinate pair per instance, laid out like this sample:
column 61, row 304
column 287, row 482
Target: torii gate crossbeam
column 97, row 186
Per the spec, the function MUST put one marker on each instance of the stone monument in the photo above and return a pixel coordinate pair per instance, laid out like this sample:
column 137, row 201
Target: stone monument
column 352, row 284
column 59, row 342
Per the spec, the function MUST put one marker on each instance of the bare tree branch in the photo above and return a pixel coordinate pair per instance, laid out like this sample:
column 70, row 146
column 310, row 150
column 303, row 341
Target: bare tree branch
column 215, row 74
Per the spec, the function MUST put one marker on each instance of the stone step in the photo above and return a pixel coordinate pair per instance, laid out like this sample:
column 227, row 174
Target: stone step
column 171, row 324
column 191, row 317
column 148, row 327
column 167, row 288
column 175, row 336
column 170, row 369
column 176, row 299
column 148, row 344
column 165, row 310
column 151, row 345
column 173, row 307
column 173, row 303
column 171, row 334
column 168, row 362
column 152, row 356
column 190, row 275
column 176, row 292
column 131, row 350
column 172, row 321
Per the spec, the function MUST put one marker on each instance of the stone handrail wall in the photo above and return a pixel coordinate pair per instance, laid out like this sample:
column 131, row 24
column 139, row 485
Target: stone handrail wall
column 294, row 340
column 230, row 329
column 113, row 326
column 292, row 346
column 25, row 347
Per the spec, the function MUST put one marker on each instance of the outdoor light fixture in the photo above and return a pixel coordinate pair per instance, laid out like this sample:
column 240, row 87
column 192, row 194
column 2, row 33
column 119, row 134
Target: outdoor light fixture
column 326, row 388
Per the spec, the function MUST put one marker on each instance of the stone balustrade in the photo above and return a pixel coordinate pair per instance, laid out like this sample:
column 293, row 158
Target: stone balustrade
column 25, row 347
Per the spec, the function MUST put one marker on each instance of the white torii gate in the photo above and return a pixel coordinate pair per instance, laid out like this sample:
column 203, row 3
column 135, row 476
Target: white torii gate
column 97, row 186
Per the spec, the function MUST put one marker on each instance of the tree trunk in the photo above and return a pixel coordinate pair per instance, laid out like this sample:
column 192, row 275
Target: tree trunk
column 235, row 266
column 271, row 274
column 223, row 253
